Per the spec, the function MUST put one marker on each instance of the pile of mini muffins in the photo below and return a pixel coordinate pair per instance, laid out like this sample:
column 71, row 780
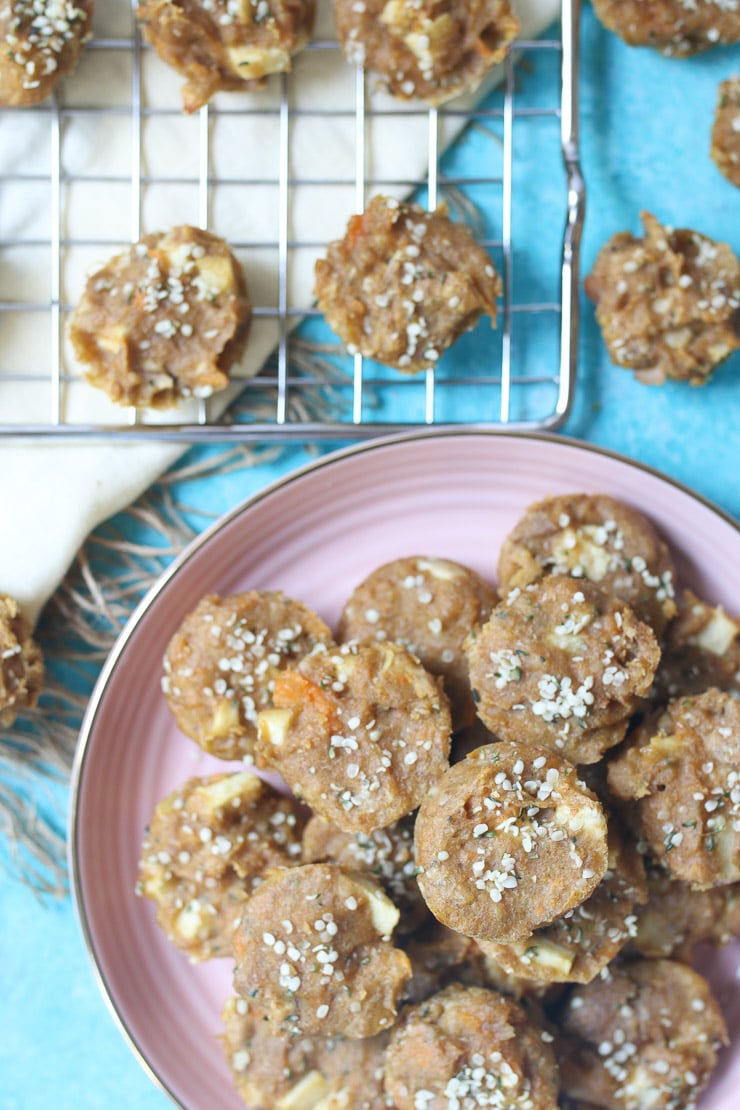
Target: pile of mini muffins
column 513, row 815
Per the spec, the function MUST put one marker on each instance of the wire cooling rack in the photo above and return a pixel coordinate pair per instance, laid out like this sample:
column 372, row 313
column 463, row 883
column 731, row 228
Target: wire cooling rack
column 513, row 171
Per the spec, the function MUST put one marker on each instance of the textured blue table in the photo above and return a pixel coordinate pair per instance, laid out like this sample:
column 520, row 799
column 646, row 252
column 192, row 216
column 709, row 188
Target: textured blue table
column 645, row 128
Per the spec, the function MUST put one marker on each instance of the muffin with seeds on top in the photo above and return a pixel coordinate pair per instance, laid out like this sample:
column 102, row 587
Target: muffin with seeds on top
column 403, row 284
column 679, row 776
column 467, row 1047
column 221, row 664
column 561, row 663
column 429, row 605
column 205, row 851
column 507, row 841
column 314, row 954
column 645, row 1033
column 667, row 303
column 164, row 321
column 359, row 732
column 40, row 42
column 298, row 1072
column 426, row 50
column 226, row 45
column 599, row 538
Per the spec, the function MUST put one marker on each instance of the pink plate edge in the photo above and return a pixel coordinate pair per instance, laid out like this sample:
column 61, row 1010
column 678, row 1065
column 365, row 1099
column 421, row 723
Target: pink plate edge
column 88, row 725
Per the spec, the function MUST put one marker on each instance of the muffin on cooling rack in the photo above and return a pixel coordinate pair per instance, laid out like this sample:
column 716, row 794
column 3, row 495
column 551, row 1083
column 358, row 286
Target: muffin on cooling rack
column 426, row 50
column 667, row 303
column 725, row 148
column 226, row 45
column 403, row 284
column 675, row 27
column 164, row 321
column 21, row 663
column 40, row 42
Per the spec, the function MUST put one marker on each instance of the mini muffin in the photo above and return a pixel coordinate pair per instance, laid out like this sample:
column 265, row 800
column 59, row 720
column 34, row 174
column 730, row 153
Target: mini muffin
column 429, row 605
column 676, row 918
column 426, row 50
column 164, row 321
column 360, row 733
column 596, row 537
column 580, row 944
column 221, row 665
column 385, row 854
column 205, row 851
column 701, row 649
column 680, row 772
column 229, row 45
column 725, row 144
column 667, row 304
column 404, row 284
column 675, row 27
column 468, row 1047
column 562, row 664
column 646, row 1033
column 286, row 1071
column 507, row 841
column 314, row 955
column 40, row 42
column 21, row 663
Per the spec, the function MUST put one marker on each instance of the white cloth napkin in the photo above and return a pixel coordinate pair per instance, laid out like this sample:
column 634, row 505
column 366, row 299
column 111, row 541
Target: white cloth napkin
column 53, row 493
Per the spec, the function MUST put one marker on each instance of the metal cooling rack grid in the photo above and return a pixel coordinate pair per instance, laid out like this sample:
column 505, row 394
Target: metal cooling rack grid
column 304, row 397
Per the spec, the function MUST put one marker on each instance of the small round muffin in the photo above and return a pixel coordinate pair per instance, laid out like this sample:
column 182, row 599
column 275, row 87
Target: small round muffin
column 469, row 1047
column 667, row 304
column 645, row 1033
column 386, row 854
column 725, row 144
column 596, row 537
column 675, row 27
column 429, row 605
column 220, row 666
column 205, row 851
column 40, row 42
column 576, row 947
column 404, row 284
column 21, row 663
column 701, row 649
column 426, row 50
column 507, row 841
column 675, row 918
column 360, row 733
column 297, row 1072
column 561, row 663
column 680, row 770
column 226, row 45
column 164, row 321
column 313, row 953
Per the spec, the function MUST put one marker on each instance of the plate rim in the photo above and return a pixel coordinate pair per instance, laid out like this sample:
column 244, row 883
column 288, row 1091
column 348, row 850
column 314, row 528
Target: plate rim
column 137, row 615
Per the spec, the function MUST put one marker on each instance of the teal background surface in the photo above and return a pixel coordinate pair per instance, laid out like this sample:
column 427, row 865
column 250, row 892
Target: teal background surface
column 645, row 139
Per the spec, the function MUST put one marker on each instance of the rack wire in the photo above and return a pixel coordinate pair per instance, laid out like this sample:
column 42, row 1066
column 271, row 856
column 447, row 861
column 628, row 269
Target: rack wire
column 520, row 376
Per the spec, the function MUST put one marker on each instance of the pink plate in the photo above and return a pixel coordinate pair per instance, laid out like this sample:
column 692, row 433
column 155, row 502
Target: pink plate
column 315, row 534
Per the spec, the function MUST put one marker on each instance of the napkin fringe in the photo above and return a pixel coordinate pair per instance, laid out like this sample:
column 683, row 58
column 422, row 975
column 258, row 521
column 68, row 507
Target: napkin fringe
column 82, row 621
